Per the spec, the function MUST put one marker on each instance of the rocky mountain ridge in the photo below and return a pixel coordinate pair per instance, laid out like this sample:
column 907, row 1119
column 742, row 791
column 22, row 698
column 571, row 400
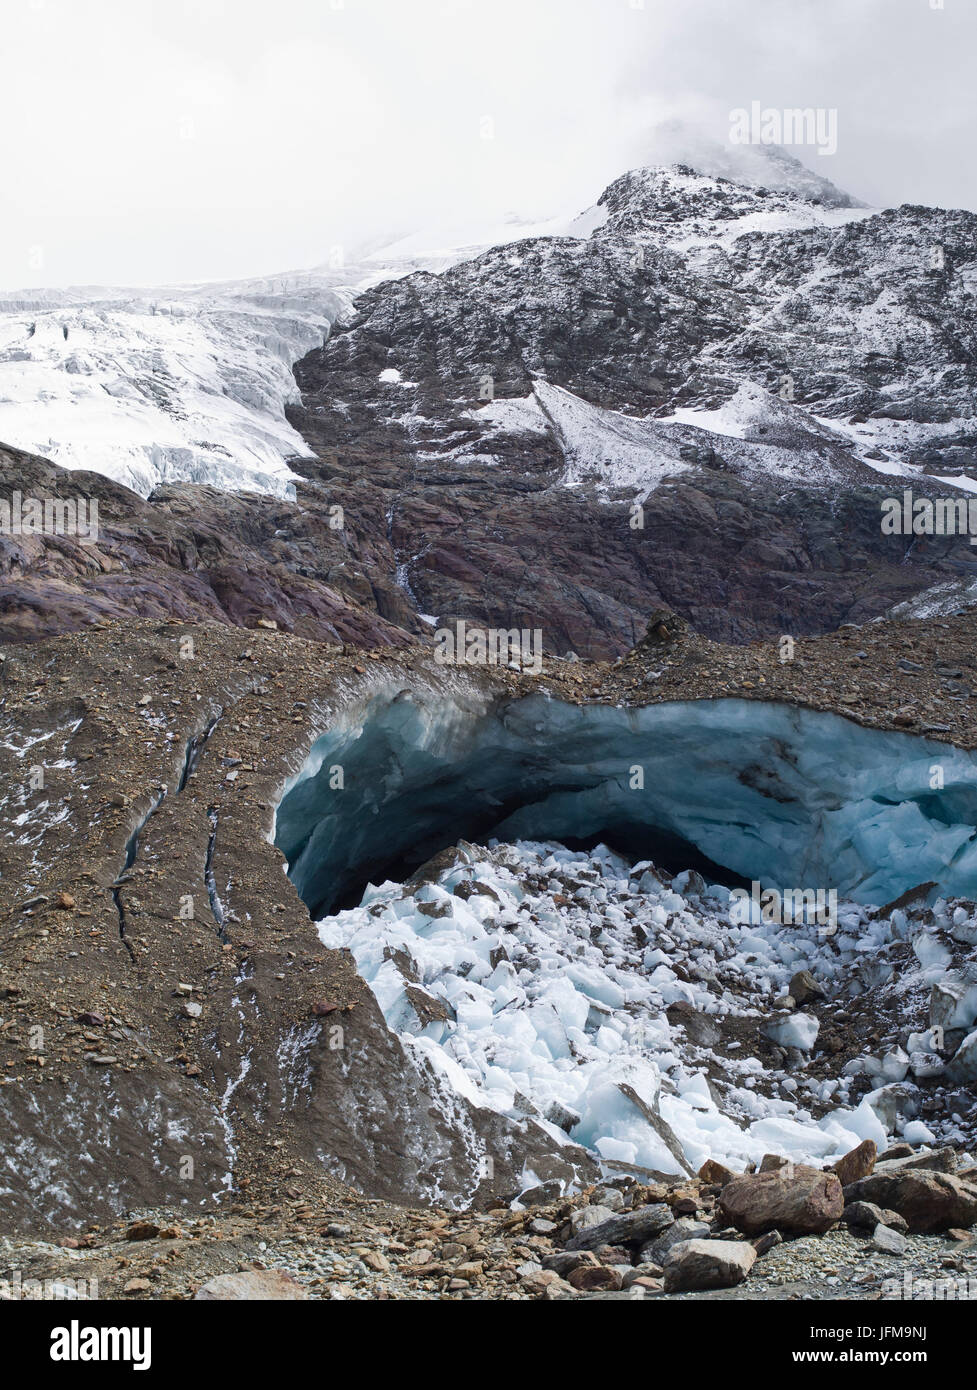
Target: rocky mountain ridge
column 699, row 398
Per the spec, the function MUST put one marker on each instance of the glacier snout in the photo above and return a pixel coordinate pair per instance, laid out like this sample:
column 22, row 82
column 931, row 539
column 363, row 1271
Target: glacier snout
column 743, row 790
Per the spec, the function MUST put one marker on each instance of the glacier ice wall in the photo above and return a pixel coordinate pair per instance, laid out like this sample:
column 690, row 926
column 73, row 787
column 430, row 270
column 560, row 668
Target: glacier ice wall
column 791, row 797
column 187, row 386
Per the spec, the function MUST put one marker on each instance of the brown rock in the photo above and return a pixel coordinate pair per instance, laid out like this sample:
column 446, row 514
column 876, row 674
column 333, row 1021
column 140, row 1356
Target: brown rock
column 537, row 1284
column 564, row 1262
column 804, row 987
column 650, row 1285
column 767, row 1242
column 716, row 1173
column 678, row 1195
column 142, row 1230
column 708, row 1264
column 898, row 1150
column 596, row 1277
column 866, row 1216
column 612, row 1255
column 685, row 1206
column 799, row 1200
column 253, row 1284
column 927, row 1200
column 857, row 1163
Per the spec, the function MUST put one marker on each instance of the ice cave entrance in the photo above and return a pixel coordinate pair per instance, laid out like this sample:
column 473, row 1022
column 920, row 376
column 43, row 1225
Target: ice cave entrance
column 743, row 790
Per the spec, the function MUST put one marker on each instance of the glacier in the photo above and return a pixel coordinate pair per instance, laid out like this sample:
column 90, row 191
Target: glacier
column 191, row 383
column 152, row 388
column 787, row 796
column 541, row 979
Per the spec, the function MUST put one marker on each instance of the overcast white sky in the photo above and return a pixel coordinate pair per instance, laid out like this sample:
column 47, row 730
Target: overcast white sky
column 150, row 141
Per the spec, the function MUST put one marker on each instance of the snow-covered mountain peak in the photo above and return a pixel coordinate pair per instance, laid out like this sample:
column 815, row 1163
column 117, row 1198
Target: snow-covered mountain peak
column 681, row 286
column 765, row 167
column 679, row 208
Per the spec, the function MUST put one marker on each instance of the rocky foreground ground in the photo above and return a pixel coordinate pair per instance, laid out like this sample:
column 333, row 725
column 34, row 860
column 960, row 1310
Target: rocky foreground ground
column 164, row 1034
column 782, row 1233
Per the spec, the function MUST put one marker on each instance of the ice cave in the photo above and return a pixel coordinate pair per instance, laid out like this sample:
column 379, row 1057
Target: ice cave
column 743, row 790
column 536, row 976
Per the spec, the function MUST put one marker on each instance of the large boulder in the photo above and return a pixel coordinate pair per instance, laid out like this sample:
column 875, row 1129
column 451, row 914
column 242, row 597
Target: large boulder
column 963, row 1067
column 684, row 1229
column 586, row 1278
column 708, row 1264
column 865, row 1216
column 564, row 1262
column 799, row 1200
column 927, row 1200
column 629, row 1228
column 937, row 1160
column 252, row 1284
column 585, row 1218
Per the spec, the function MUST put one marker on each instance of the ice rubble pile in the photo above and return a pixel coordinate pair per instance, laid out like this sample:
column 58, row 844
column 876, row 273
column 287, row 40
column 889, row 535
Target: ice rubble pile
column 537, row 979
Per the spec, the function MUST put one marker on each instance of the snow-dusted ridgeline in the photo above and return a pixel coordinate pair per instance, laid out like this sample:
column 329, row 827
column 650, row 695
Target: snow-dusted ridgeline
column 189, row 383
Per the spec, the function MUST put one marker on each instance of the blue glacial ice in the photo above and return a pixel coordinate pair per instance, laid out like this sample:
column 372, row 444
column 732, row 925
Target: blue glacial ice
column 536, row 978
column 769, row 792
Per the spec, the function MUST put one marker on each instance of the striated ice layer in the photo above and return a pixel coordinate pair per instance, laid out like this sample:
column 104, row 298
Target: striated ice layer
column 792, row 798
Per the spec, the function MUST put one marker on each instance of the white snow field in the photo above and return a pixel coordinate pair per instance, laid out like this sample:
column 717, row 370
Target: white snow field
column 755, row 433
column 150, row 388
